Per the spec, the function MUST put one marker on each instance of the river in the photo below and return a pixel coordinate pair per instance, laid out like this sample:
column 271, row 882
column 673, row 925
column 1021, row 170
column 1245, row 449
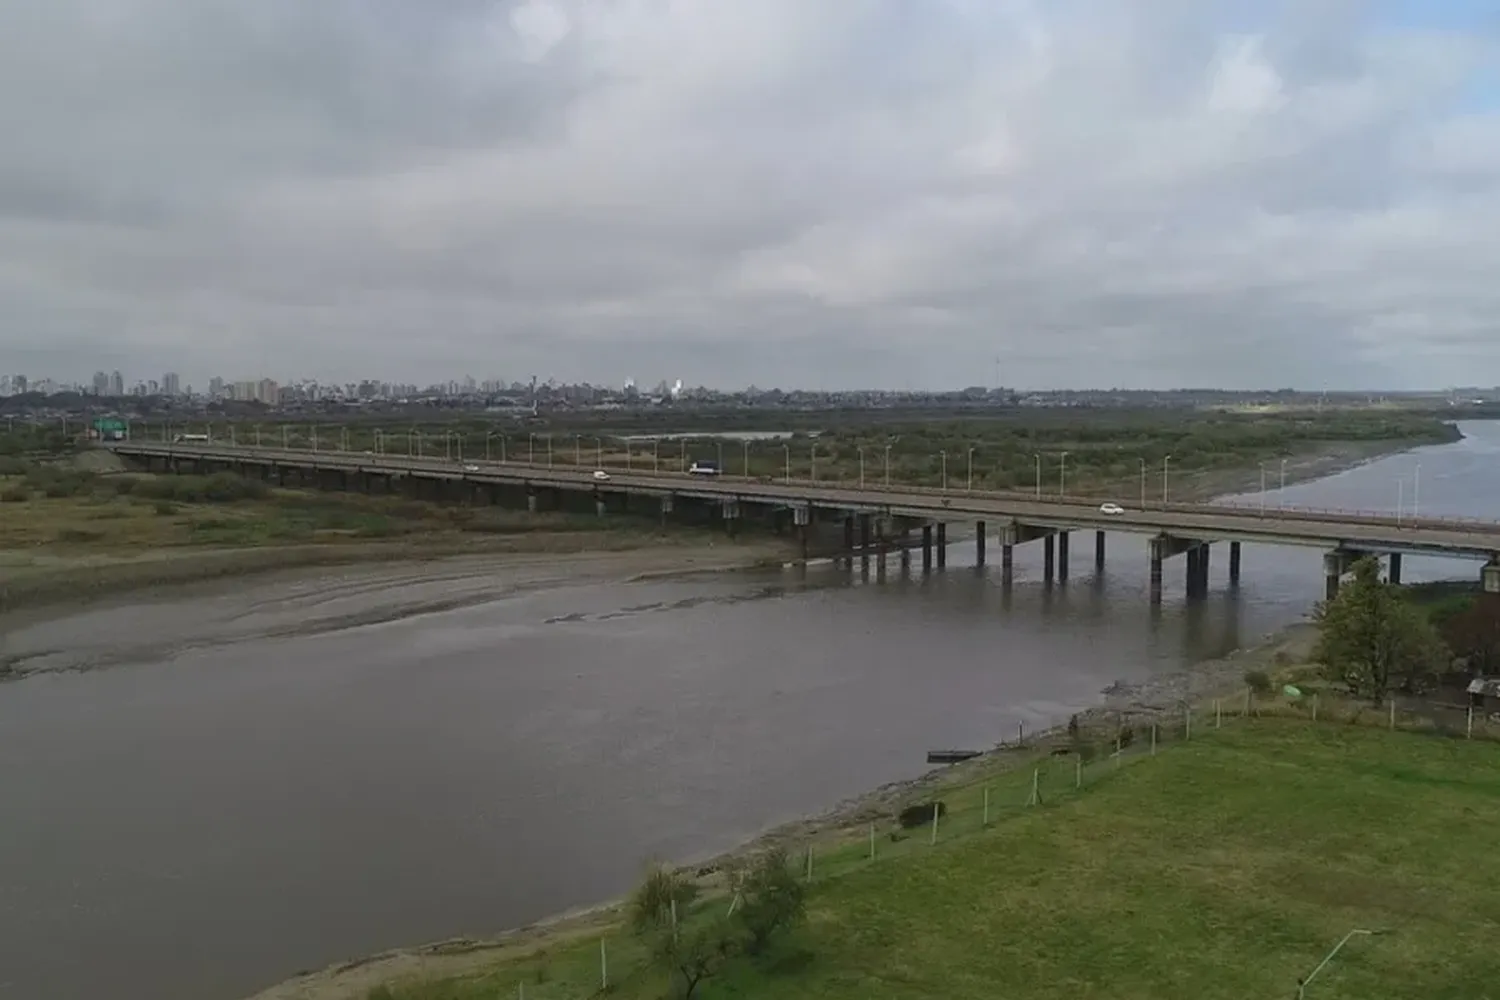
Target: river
column 271, row 775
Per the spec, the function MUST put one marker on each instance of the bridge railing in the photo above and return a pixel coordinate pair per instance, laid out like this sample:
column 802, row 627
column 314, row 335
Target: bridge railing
column 877, row 485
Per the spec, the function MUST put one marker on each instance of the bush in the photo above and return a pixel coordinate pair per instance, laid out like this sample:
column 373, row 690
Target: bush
column 164, row 509
column 920, row 814
column 771, row 899
column 78, row 535
column 15, row 494
column 1258, row 681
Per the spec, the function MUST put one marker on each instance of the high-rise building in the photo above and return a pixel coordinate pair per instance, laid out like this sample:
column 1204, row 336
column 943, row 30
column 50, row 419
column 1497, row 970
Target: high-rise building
column 116, row 384
column 101, row 384
column 18, row 384
column 216, row 387
column 171, row 384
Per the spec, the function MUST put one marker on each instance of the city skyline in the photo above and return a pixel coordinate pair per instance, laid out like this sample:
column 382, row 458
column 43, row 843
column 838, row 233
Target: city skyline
column 1149, row 192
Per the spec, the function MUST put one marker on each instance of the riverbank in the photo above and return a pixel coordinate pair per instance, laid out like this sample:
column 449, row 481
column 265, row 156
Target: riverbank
column 1160, row 699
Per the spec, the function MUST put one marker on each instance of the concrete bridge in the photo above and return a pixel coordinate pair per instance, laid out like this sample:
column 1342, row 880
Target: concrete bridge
column 874, row 518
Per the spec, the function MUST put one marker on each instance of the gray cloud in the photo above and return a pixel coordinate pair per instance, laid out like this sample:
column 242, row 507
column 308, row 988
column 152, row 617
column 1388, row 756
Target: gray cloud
column 872, row 192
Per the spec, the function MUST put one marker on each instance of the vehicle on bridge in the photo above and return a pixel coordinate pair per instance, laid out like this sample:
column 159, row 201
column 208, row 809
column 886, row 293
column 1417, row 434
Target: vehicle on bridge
column 190, row 437
column 703, row 469
column 1111, row 508
column 601, row 475
column 471, row 468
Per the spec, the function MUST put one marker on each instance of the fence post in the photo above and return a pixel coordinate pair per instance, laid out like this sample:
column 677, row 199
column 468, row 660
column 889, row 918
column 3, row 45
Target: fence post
column 1187, row 726
column 809, row 862
column 1020, row 734
column 872, row 841
column 1393, row 713
column 520, row 991
column 604, row 966
column 1119, row 750
column 1153, row 739
column 986, row 820
column 936, row 806
column 1469, row 725
column 1078, row 772
column 674, row 900
column 1036, row 791
column 1315, row 708
column 1248, row 695
column 1218, row 715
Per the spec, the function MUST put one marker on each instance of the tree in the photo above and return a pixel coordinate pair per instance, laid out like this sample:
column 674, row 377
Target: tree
column 1474, row 633
column 770, row 899
column 696, row 952
column 1373, row 640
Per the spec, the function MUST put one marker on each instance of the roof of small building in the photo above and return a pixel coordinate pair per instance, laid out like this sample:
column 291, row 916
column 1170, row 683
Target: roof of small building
column 1487, row 686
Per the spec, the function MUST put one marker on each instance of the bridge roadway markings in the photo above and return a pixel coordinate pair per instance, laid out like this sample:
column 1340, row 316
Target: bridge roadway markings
column 1320, row 529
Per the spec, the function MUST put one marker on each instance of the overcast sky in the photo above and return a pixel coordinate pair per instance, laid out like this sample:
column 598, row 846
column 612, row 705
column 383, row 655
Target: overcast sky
column 1146, row 193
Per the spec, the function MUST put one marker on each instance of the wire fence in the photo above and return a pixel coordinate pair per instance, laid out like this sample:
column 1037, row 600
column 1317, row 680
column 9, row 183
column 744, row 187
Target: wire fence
column 1045, row 770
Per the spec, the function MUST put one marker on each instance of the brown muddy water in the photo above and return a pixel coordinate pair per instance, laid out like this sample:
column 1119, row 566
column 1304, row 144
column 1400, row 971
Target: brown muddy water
column 208, row 790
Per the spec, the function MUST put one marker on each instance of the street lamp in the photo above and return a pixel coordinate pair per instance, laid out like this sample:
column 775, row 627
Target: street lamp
column 312, row 432
column 343, row 439
column 598, row 453
column 549, row 451
column 458, row 441
column 720, row 466
column 1143, row 483
column 682, row 457
column 1165, row 459
column 861, row 468
column 1038, row 476
column 531, row 449
column 1280, row 500
column 944, row 454
column 1416, row 491
column 813, row 460
column 788, row 449
column 1263, row 489
column 969, row 483
column 577, row 451
column 887, row 466
column 1400, row 499
column 655, row 456
column 284, row 445
column 745, row 445
column 1062, row 475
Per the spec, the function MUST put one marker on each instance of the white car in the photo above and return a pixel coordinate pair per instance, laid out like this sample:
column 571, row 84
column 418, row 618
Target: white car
column 601, row 475
column 471, row 468
column 1111, row 509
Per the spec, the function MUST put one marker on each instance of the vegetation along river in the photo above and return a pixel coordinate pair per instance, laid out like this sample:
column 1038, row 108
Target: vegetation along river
column 217, row 788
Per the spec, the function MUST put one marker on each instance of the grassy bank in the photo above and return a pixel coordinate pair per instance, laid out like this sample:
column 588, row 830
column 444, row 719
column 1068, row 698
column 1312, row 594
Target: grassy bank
column 1226, row 866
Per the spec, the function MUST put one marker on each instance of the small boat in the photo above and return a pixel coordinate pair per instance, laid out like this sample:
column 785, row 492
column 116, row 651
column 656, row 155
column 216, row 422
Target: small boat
column 951, row 756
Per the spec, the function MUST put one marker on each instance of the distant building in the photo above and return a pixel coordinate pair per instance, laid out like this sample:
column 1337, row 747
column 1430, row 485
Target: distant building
column 116, row 384
column 171, row 384
column 101, row 384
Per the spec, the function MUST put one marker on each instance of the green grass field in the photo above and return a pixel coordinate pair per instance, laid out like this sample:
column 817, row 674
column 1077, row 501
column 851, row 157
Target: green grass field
column 1223, row 868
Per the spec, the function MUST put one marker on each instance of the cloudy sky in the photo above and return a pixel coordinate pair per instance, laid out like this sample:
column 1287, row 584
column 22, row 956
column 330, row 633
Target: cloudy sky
column 833, row 193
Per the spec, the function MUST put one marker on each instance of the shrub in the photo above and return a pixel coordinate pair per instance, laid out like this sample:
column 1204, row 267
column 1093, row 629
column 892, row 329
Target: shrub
column 15, row 494
column 1258, row 681
column 164, row 509
column 78, row 535
column 920, row 814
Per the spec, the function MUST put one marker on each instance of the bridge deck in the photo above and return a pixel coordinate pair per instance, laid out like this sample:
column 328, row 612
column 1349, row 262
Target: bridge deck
column 1326, row 529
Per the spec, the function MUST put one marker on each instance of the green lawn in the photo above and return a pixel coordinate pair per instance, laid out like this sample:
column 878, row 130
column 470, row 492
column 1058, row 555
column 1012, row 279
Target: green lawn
column 1226, row 867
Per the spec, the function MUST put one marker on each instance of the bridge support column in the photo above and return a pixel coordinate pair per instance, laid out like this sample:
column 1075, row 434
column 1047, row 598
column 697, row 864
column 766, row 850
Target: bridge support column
column 849, row 539
column 1393, row 569
column 864, row 542
column 1098, row 550
column 1155, row 578
column 881, row 544
column 531, row 502
column 1489, row 577
column 1234, row 564
column 1197, row 570
column 1049, row 558
column 942, row 545
column 1007, row 564
column 802, row 518
column 666, row 508
column 979, row 543
column 905, row 545
column 1062, row 557
column 1333, row 568
column 926, row 548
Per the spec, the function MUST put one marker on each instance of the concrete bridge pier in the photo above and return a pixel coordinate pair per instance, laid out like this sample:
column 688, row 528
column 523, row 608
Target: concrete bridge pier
column 730, row 510
column 926, row 548
column 1197, row 570
column 1489, row 576
column 1098, row 551
column 905, row 546
column 802, row 520
column 1062, row 557
column 849, row 540
column 531, row 502
column 942, row 545
column 1393, row 568
column 1049, row 559
column 1234, row 564
column 864, row 544
column 1007, row 564
column 1155, row 579
column 978, row 543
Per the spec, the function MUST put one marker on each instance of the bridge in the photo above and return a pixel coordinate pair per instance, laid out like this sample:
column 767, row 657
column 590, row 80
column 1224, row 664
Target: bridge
column 874, row 518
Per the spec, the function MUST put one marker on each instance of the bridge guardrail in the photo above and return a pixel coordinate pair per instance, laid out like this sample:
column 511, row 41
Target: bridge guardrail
column 1373, row 518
